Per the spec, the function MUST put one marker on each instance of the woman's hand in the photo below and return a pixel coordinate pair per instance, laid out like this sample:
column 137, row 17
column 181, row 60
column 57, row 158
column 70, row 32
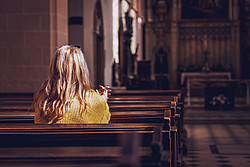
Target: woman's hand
column 104, row 92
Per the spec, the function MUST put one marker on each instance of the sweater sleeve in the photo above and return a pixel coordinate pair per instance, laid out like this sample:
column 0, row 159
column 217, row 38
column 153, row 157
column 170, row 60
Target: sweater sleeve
column 97, row 110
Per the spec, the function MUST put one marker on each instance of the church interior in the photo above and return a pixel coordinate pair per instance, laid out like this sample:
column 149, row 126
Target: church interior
column 179, row 71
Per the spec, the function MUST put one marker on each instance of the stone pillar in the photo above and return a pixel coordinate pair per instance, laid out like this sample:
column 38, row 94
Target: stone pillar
column 149, row 11
column 236, row 39
column 174, row 47
column 58, row 24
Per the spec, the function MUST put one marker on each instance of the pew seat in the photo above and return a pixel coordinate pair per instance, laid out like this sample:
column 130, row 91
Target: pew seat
column 94, row 144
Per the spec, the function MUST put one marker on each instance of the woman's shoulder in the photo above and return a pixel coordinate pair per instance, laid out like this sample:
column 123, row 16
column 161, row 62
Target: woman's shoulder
column 94, row 96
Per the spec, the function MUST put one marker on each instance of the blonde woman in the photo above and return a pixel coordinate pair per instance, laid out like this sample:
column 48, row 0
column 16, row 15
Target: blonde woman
column 66, row 97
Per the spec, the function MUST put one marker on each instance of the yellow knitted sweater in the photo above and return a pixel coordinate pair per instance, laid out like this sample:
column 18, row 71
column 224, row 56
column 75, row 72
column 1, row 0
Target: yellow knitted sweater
column 96, row 112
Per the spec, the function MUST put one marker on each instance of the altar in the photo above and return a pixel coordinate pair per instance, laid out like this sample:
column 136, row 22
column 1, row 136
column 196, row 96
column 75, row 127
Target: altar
column 219, row 94
column 189, row 78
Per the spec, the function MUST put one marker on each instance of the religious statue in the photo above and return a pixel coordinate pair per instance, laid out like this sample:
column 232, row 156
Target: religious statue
column 205, row 67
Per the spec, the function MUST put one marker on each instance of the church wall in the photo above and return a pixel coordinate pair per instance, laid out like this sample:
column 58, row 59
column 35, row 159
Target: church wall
column 27, row 37
column 186, row 41
column 32, row 30
column 157, row 36
column 196, row 38
column 220, row 38
column 108, row 47
column 75, row 29
column 88, row 24
column 24, row 44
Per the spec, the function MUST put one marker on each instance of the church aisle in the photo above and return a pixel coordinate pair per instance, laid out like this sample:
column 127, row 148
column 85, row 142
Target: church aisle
column 218, row 145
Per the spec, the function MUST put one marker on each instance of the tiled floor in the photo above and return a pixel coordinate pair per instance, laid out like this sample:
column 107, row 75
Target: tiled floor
column 218, row 143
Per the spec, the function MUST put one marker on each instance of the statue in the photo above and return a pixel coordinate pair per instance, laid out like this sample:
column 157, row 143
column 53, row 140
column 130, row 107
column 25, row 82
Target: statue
column 205, row 67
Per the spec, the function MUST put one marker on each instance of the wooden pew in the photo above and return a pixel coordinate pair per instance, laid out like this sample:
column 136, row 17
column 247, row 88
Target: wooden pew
column 141, row 105
column 157, row 95
column 145, row 92
column 98, row 138
column 141, row 109
column 149, row 108
column 135, row 106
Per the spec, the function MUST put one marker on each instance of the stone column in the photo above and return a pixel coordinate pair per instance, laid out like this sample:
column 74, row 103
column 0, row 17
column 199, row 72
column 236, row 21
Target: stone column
column 236, row 39
column 149, row 11
column 58, row 24
column 174, row 47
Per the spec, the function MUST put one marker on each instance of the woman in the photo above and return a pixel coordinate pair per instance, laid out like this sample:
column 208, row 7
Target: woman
column 65, row 97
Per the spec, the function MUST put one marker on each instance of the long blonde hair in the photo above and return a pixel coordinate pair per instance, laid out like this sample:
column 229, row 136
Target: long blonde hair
column 68, row 79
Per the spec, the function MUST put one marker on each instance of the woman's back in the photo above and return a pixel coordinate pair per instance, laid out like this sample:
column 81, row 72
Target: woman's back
column 66, row 97
column 96, row 111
